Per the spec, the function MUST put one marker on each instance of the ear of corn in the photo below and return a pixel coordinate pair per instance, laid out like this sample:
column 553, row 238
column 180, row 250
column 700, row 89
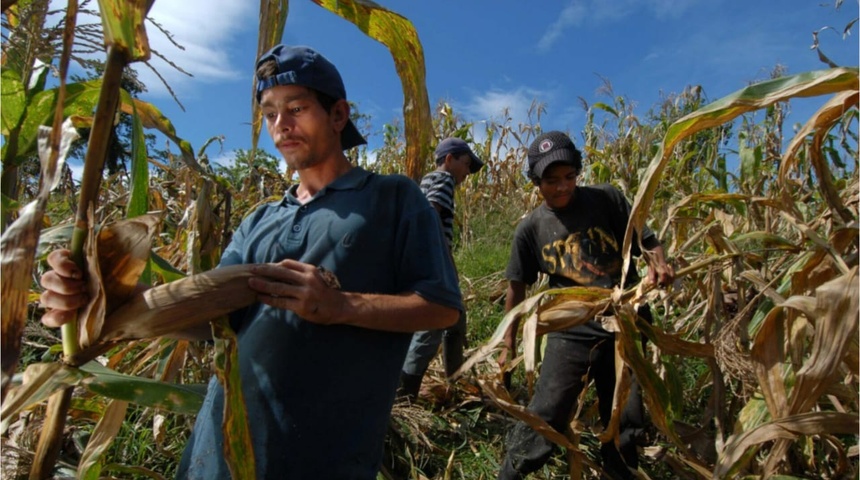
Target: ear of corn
column 116, row 257
column 181, row 304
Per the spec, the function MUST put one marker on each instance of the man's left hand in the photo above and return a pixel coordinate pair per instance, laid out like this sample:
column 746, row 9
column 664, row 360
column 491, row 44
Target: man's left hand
column 311, row 292
column 659, row 271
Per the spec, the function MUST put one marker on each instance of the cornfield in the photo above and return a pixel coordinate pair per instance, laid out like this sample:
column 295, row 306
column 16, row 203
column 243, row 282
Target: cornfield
column 750, row 369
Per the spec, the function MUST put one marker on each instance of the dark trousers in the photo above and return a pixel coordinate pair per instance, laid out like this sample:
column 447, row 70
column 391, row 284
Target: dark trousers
column 425, row 346
column 568, row 360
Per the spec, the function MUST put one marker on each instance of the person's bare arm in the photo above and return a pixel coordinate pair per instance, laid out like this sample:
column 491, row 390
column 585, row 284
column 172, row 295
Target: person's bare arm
column 301, row 288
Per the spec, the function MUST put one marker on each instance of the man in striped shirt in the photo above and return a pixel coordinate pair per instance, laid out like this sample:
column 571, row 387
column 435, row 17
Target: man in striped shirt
column 454, row 162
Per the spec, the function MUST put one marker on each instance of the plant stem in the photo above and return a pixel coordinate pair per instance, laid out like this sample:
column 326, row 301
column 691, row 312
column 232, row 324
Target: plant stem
column 93, row 167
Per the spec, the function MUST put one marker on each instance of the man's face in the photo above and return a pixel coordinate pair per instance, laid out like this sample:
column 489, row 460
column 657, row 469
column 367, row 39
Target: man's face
column 304, row 133
column 558, row 184
column 458, row 165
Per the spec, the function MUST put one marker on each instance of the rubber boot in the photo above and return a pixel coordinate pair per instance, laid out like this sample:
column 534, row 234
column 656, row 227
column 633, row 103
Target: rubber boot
column 453, row 345
column 409, row 386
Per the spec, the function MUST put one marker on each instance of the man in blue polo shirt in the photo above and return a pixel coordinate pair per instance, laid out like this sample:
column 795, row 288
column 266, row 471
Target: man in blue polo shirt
column 319, row 364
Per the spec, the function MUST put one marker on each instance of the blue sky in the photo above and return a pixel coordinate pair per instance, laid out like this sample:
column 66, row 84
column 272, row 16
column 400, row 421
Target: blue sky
column 482, row 56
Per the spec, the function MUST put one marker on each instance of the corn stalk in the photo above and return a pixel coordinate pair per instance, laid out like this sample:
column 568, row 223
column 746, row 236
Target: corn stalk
column 124, row 45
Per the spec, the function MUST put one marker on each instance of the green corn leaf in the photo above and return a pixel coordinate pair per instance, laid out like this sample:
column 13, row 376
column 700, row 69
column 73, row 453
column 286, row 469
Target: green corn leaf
column 80, row 101
column 139, row 197
column 185, row 399
column 238, row 448
column 14, row 99
column 151, row 117
column 399, row 35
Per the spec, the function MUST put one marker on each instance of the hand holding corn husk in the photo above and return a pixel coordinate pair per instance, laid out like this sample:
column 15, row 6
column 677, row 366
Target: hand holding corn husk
column 166, row 310
column 176, row 309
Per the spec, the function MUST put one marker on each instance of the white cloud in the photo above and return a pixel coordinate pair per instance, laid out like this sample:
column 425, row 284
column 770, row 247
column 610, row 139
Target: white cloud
column 670, row 8
column 224, row 158
column 579, row 13
column 516, row 104
column 572, row 15
column 207, row 30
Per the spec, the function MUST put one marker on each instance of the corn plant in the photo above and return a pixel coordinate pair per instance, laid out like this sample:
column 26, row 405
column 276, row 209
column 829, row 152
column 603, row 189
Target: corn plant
column 766, row 297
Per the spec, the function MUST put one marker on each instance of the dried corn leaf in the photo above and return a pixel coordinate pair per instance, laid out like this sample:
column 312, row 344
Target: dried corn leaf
column 123, row 249
column 672, row 344
column 496, row 339
column 836, row 321
column 40, row 381
column 565, row 308
column 530, row 349
column 273, row 17
column 655, row 393
column 500, row 396
column 736, row 453
column 103, row 435
column 91, row 316
column 570, row 307
column 768, row 359
column 813, row 236
column 820, row 124
column 180, row 305
column 18, row 250
column 398, row 34
column 115, row 262
column 620, row 395
column 723, row 110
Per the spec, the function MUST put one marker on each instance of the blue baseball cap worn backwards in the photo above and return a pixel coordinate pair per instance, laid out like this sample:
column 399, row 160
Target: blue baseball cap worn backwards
column 455, row 145
column 303, row 66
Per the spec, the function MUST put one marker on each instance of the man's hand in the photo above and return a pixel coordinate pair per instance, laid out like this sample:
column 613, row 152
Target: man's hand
column 65, row 289
column 659, row 271
column 311, row 292
column 514, row 296
column 510, row 346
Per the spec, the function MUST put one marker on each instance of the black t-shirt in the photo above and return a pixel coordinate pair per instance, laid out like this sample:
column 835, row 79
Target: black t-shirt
column 579, row 245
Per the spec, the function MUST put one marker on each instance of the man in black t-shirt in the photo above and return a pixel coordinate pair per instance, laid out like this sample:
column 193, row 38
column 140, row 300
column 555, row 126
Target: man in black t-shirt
column 575, row 238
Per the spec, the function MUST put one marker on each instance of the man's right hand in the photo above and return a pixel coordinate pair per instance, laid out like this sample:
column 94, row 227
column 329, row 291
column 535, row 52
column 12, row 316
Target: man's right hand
column 503, row 360
column 65, row 289
column 515, row 295
column 510, row 348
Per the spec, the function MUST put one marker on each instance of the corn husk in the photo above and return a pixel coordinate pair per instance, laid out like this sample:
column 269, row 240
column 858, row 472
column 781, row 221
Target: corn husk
column 180, row 305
